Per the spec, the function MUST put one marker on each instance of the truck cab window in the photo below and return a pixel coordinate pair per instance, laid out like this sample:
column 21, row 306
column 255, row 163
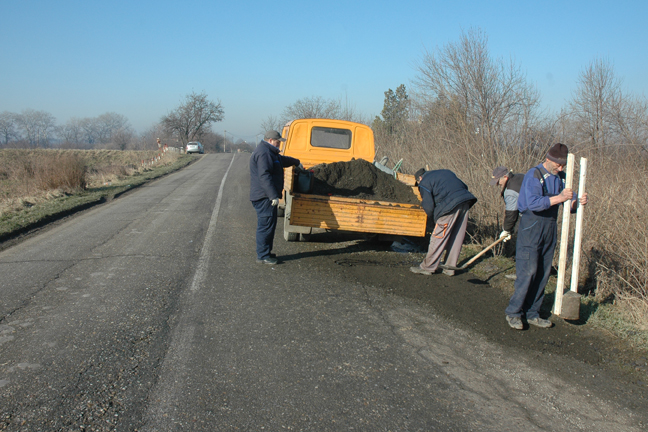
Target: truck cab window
column 330, row 137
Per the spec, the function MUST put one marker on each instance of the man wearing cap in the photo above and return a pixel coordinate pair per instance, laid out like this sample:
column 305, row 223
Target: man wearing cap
column 266, row 188
column 446, row 200
column 510, row 184
column 541, row 194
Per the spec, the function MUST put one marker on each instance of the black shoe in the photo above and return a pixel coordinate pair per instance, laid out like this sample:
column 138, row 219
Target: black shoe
column 269, row 260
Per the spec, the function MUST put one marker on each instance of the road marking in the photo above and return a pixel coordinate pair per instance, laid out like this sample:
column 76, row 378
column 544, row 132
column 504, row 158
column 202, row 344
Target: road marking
column 162, row 409
column 203, row 259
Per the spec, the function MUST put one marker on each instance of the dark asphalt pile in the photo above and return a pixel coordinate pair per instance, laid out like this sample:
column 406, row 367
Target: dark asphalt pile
column 360, row 179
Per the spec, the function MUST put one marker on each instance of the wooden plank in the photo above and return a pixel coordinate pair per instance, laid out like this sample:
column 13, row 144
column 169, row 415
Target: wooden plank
column 564, row 239
column 296, row 219
column 353, row 201
column 381, row 212
column 408, row 179
column 579, row 224
column 330, row 219
column 400, row 217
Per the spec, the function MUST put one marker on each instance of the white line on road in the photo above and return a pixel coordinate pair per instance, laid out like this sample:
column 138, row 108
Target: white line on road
column 162, row 411
column 203, row 259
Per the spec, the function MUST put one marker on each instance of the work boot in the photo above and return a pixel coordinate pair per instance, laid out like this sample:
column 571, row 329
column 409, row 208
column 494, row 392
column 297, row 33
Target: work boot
column 269, row 260
column 515, row 322
column 419, row 270
column 540, row 322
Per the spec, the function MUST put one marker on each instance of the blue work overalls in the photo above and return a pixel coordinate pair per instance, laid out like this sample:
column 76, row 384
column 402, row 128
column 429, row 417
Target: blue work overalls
column 536, row 242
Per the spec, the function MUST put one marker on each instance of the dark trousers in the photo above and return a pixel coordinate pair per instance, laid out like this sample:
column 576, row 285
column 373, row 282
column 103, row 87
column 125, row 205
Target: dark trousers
column 536, row 242
column 266, row 225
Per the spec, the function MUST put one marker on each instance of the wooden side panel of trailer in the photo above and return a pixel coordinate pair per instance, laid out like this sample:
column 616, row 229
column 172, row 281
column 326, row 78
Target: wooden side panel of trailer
column 348, row 214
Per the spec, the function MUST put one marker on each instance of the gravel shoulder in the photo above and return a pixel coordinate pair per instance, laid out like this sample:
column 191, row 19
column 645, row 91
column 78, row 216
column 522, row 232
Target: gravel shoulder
column 474, row 300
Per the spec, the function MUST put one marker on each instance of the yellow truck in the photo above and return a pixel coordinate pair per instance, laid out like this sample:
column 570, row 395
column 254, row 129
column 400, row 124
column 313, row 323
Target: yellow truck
column 315, row 141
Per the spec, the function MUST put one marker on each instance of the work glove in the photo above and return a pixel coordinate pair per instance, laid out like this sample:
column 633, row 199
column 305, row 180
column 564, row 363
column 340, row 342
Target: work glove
column 506, row 235
column 274, row 202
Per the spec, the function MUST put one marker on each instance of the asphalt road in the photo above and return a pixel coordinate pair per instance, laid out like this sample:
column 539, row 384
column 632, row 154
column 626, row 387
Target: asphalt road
column 149, row 313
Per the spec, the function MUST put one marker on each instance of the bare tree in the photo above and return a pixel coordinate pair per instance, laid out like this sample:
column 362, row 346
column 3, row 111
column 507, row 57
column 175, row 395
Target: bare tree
column 313, row 107
column 632, row 121
column 193, row 117
column 148, row 139
column 491, row 95
column 597, row 104
column 121, row 138
column 318, row 107
column 72, row 132
column 271, row 123
column 110, row 123
column 37, row 126
column 8, row 127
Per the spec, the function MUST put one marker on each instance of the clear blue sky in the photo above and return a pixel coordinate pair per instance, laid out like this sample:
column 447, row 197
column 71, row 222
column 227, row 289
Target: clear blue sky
column 140, row 58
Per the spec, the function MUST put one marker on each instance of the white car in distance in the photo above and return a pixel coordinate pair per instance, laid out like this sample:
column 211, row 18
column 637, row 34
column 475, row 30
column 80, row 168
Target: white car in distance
column 195, row 147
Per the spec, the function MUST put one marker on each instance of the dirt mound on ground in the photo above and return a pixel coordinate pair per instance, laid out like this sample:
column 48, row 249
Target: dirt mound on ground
column 360, row 179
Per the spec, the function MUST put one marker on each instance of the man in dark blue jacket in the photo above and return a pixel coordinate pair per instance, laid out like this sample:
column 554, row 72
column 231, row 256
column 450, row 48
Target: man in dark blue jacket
column 446, row 200
column 266, row 188
column 541, row 196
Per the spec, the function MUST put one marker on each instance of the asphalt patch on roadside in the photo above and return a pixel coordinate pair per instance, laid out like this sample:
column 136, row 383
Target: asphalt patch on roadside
column 476, row 301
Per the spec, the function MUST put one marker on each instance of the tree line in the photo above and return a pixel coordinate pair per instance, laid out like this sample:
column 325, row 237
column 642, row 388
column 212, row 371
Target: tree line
column 190, row 121
column 38, row 129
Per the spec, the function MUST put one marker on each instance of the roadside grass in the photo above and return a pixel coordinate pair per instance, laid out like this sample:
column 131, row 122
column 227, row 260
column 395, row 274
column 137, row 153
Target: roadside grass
column 25, row 204
column 624, row 317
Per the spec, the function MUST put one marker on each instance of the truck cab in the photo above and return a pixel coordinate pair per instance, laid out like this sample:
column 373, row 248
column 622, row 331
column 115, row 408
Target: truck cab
column 315, row 141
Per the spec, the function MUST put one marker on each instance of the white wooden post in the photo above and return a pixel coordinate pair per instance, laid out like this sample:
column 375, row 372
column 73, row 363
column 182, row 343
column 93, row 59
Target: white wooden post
column 564, row 240
column 579, row 226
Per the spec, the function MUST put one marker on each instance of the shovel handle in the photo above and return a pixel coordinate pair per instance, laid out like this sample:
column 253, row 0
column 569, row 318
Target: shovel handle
column 473, row 259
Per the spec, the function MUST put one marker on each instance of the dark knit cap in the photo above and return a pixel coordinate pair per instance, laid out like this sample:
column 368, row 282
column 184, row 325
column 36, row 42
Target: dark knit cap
column 419, row 173
column 498, row 173
column 558, row 154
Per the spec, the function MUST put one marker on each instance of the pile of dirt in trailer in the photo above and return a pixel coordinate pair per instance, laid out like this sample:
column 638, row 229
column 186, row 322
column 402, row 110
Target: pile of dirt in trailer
column 360, row 179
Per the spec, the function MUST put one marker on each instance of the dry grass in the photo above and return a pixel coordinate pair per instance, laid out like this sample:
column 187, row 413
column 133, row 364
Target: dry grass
column 31, row 177
column 614, row 259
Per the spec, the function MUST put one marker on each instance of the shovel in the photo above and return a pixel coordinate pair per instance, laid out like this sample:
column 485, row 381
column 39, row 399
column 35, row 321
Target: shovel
column 473, row 259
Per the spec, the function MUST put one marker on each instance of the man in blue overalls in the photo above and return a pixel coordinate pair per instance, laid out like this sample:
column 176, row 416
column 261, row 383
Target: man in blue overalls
column 541, row 194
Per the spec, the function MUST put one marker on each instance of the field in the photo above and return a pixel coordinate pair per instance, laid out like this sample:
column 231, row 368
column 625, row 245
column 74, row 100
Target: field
column 37, row 186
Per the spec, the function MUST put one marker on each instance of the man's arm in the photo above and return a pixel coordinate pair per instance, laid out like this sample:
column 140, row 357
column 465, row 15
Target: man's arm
column 511, row 211
column 427, row 201
column 563, row 196
column 287, row 161
column 264, row 169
